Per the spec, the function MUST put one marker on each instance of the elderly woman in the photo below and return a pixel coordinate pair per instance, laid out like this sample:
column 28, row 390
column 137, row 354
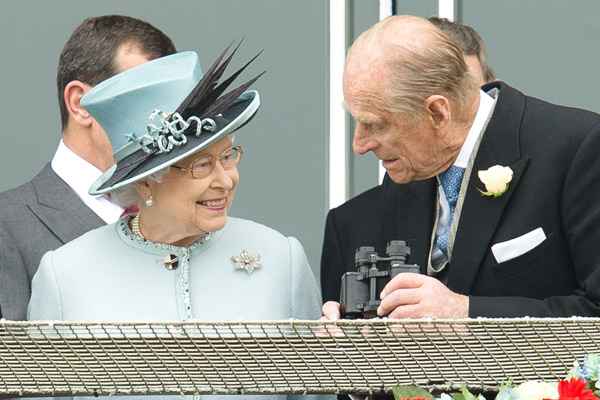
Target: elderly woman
column 180, row 257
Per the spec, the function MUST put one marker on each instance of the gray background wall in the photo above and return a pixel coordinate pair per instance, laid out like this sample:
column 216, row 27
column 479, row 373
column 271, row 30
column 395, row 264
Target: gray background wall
column 546, row 48
column 363, row 169
column 282, row 176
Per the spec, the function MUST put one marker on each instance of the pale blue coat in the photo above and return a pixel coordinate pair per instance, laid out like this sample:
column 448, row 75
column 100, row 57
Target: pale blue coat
column 112, row 274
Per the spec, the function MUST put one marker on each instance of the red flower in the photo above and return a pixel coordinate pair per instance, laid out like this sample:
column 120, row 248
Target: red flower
column 575, row 389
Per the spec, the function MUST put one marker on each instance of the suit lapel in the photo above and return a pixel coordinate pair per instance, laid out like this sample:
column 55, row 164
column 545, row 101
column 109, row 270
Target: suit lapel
column 481, row 215
column 407, row 214
column 60, row 209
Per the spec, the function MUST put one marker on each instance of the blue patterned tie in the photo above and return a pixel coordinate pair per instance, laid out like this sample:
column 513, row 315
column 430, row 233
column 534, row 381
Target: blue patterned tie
column 450, row 181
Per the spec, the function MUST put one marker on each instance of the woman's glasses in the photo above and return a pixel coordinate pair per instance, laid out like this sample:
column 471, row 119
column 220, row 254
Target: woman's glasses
column 204, row 166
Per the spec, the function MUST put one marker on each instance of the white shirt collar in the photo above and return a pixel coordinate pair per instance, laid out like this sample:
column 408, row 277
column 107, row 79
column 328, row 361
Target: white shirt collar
column 486, row 107
column 79, row 175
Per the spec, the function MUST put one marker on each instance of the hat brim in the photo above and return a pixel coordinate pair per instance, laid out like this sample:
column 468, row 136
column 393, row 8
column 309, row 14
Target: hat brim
column 137, row 165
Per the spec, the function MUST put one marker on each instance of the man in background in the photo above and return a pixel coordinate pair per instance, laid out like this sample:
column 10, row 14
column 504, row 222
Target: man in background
column 55, row 207
column 471, row 44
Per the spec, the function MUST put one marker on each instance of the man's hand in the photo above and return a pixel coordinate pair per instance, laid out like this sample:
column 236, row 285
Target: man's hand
column 331, row 311
column 411, row 295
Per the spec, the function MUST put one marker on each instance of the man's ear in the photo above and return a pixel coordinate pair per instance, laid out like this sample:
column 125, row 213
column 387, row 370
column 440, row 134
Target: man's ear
column 73, row 93
column 438, row 110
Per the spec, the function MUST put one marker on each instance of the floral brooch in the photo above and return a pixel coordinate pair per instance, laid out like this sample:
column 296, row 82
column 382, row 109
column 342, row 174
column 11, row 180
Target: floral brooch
column 246, row 261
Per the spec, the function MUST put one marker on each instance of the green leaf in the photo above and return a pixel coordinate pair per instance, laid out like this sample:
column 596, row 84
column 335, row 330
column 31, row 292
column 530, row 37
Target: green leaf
column 467, row 394
column 507, row 384
column 491, row 194
column 410, row 391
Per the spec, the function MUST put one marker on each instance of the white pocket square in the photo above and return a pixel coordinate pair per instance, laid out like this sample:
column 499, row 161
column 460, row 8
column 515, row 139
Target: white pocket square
column 505, row 251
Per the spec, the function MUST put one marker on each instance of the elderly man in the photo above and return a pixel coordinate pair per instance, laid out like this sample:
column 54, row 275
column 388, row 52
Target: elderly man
column 472, row 46
column 55, row 207
column 494, row 191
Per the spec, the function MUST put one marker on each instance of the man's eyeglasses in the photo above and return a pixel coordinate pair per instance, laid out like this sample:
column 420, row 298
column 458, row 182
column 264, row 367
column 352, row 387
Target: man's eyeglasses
column 204, row 166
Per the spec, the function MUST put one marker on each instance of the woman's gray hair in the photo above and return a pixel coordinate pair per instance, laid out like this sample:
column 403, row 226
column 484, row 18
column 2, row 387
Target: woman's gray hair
column 128, row 196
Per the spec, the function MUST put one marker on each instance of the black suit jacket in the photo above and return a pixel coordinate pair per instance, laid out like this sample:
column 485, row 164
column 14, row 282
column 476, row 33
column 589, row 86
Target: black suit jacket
column 38, row 216
column 554, row 152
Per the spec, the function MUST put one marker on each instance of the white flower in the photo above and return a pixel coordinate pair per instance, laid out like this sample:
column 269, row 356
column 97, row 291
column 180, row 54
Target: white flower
column 537, row 390
column 495, row 179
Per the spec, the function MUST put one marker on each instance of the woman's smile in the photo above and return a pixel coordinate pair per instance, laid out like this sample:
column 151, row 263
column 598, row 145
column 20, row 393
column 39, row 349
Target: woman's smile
column 218, row 204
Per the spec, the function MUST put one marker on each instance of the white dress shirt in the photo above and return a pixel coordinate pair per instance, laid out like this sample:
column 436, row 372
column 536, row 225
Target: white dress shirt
column 445, row 222
column 486, row 107
column 79, row 175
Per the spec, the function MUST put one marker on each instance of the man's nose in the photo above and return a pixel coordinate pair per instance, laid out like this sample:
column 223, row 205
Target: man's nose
column 362, row 144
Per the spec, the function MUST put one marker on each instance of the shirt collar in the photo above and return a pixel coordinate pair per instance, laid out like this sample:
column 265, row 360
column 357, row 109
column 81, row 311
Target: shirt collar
column 80, row 175
column 65, row 162
column 486, row 107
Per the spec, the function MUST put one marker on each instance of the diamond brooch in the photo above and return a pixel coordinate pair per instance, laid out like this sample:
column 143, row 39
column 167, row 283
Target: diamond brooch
column 246, row 261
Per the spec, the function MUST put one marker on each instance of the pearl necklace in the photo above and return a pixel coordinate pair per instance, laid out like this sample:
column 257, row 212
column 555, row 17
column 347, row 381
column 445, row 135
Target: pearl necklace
column 171, row 261
column 135, row 226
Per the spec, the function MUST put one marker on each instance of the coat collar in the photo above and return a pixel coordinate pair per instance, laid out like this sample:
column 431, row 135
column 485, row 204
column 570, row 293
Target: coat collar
column 408, row 210
column 481, row 215
column 59, row 208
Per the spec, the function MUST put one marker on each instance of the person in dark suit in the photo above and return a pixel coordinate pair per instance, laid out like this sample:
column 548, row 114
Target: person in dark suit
column 55, row 207
column 472, row 46
column 497, row 193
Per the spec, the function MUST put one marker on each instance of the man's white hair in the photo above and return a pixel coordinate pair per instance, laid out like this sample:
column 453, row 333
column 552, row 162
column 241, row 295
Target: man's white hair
column 430, row 64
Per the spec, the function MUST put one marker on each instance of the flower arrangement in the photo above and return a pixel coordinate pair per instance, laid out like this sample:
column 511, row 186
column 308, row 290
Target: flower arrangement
column 581, row 383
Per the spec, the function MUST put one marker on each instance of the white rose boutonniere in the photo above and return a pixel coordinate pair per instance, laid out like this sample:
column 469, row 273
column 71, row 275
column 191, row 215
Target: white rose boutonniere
column 495, row 179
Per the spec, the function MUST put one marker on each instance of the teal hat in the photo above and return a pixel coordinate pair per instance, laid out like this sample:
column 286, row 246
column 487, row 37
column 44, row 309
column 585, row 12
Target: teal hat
column 120, row 104
column 164, row 110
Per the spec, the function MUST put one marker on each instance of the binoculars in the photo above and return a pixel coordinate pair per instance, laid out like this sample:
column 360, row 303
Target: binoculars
column 359, row 295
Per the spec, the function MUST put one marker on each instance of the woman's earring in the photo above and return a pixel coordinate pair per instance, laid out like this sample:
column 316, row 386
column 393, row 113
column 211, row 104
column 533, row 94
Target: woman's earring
column 149, row 202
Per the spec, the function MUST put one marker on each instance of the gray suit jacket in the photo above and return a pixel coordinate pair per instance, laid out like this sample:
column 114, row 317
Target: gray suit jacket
column 38, row 216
